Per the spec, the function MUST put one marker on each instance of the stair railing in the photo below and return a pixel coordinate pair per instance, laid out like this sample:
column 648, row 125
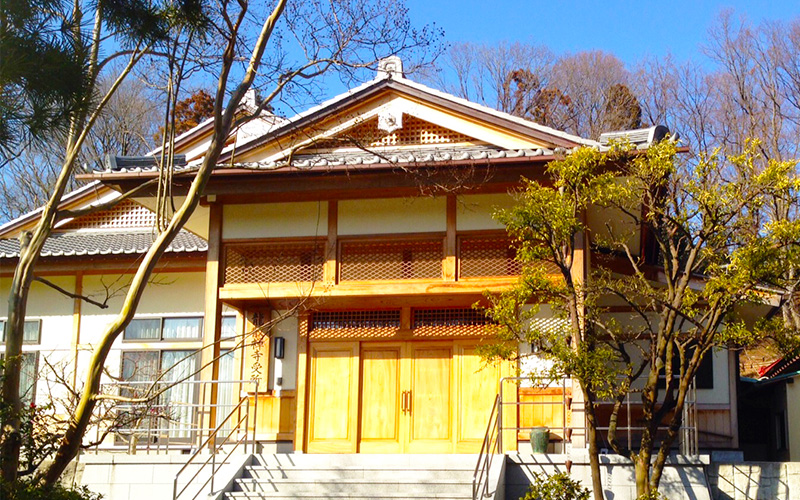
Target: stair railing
column 489, row 448
column 213, row 447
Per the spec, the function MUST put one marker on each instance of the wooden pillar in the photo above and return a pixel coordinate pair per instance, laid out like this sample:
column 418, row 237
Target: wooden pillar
column 450, row 263
column 733, row 377
column 581, row 274
column 76, row 325
column 329, row 273
column 302, row 385
column 212, row 327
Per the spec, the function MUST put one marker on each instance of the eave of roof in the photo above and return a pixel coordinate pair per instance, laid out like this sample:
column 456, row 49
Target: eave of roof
column 94, row 243
column 93, row 187
column 385, row 161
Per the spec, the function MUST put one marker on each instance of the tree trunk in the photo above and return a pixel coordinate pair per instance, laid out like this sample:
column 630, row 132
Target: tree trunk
column 594, row 452
column 642, row 473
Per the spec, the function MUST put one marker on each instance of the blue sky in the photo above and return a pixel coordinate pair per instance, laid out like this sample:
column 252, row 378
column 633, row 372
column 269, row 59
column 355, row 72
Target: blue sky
column 628, row 29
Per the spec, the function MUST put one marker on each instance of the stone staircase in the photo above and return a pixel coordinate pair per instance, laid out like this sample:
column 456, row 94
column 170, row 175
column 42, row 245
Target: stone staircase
column 284, row 476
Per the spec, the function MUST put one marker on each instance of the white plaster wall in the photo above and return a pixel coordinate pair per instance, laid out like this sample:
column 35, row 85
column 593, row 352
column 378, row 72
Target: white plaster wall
column 170, row 294
column 286, row 367
column 55, row 311
column 275, row 220
column 392, row 215
column 475, row 210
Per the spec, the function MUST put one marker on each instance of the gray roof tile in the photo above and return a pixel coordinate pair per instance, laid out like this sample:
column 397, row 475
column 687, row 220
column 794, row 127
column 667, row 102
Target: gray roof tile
column 105, row 243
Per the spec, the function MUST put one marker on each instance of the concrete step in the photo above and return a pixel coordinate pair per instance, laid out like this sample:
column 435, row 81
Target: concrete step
column 334, row 461
column 350, row 473
column 358, row 487
column 243, row 495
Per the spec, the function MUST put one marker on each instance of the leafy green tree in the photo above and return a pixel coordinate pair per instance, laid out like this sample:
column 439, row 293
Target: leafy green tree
column 709, row 246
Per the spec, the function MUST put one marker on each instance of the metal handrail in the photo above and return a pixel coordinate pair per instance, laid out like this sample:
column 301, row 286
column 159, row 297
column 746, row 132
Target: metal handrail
column 689, row 432
column 211, row 441
column 157, row 430
column 480, row 478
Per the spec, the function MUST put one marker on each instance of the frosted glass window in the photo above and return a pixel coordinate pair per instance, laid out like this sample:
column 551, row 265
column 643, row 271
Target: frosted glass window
column 228, row 327
column 143, row 329
column 226, row 393
column 182, row 328
column 31, row 334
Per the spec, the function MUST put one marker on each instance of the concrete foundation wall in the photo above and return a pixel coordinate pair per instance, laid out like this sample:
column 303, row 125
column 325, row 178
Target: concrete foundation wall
column 754, row 481
column 683, row 479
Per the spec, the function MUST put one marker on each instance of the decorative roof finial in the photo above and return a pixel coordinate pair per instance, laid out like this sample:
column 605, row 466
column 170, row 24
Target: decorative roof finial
column 390, row 67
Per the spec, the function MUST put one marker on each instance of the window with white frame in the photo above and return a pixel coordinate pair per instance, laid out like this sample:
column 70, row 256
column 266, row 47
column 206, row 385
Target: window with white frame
column 154, row 351
column 32, row 336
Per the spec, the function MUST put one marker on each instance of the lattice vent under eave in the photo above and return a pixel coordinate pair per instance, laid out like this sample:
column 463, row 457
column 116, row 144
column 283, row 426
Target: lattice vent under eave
column 125, row 215
column 414, row 132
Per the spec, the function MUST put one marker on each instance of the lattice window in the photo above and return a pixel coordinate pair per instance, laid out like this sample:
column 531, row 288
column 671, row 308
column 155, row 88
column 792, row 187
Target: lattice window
column 449, row 322
column 125, row 215
column 278, row 262
column 391, row 260
column 487, row 256
column 364, row 324
column 414, row 132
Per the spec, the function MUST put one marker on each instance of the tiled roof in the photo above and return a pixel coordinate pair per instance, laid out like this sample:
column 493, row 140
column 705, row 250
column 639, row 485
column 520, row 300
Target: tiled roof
column 105, row 243
column 374, row 157
column 431, row 155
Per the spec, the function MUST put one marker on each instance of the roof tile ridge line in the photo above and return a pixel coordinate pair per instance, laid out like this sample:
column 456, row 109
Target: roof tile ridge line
column 496, row 112
column 77, row 193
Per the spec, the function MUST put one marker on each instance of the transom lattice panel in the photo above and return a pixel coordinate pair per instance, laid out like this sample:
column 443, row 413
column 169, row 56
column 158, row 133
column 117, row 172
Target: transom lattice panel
column 125, row 215
column 414, row 132
column 280, row 262
column 361, row 324
column 487, row 256
column 391, row 260
column 449, row 322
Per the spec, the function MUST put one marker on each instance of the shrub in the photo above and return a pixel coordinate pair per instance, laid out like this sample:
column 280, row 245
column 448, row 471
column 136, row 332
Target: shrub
column 559, row 486
column 28, row 490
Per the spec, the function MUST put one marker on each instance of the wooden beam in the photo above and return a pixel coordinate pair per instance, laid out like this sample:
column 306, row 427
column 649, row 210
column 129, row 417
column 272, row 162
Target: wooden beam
column 450, row 259
column 331, row 245
column 302, row 383
column 275, row 291
column 212, row 327
column 76, row 325
column 99, row 265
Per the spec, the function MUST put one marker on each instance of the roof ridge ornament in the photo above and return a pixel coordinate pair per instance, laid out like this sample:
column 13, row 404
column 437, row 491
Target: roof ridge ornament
column 390, row 67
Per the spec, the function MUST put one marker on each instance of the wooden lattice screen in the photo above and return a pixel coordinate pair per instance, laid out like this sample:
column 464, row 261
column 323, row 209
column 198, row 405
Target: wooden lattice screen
column 362, row 324
column 414, row 132
column 487, row 256
column 125, row 215
column 449, row 322
column 391, row 260
column 265, row 263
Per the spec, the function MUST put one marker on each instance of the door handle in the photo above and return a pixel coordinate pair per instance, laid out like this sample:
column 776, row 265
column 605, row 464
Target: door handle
column 405, row 401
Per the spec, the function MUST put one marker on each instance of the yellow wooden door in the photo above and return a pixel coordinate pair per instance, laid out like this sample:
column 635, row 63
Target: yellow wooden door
column 333, row 397
column 477, row 386
column 429, row 408
column 382, row 429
